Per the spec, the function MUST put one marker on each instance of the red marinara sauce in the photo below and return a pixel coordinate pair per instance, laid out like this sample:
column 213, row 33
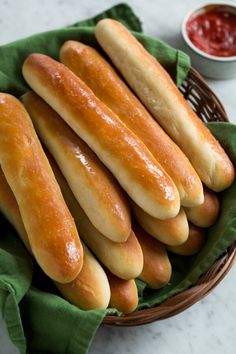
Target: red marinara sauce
column 213, row 32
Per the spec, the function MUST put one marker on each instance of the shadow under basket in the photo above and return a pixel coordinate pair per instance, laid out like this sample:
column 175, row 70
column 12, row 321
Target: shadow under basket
column 209, row 109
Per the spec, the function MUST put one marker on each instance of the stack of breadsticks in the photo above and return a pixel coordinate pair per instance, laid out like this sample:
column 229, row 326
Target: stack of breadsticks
column 83, row 152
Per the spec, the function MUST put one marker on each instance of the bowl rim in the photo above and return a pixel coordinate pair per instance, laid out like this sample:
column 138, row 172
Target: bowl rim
column 187, row 40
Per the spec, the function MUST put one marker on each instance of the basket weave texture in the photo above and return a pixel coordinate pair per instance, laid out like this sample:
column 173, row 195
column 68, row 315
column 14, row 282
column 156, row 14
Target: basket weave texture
column 209, row 109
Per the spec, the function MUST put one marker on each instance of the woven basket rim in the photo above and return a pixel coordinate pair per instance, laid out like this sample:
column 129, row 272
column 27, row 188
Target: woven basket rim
column 207, row 282
column 207, row 89
column 182, row 301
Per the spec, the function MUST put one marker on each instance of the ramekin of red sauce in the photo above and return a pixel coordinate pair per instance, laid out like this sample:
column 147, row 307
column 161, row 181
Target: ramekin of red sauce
column 209, row 34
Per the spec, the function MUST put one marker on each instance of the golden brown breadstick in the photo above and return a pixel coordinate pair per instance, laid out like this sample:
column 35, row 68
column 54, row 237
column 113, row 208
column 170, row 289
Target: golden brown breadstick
column 100, row 76
column 118, row 147
column 53, row 236
column 205, row 215
column 90, row 289
column 94, row 187
column 158, row 92
column 156, row 267
column 125, row 260
column 171, row 232
column 124, row 293
column 194, row 243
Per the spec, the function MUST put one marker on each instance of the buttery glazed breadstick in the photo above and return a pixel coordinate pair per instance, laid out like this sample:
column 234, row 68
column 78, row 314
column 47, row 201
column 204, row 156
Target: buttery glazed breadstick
column 90, row 289
column 94, row 187
column 124, row 293
column 205, row 215
column 156, row 265
column 51, row 230
column 125, row 260
column 118, row 147
column 100, row 76
column 194, row 243
column 171, row 232
column 158, row 92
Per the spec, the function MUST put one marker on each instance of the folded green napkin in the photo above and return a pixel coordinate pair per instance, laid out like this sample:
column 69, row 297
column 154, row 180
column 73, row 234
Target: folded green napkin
column 38, row 320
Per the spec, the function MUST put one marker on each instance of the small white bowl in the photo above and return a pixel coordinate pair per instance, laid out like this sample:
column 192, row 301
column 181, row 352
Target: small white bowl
column 211, row 66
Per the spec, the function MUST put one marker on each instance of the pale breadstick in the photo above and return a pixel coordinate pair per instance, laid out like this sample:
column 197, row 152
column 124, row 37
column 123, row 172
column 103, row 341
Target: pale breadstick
column 94, row 187
column 53, row 236
column 157, row 91
column 100, row 76
column 135, row 168
column 171, row 232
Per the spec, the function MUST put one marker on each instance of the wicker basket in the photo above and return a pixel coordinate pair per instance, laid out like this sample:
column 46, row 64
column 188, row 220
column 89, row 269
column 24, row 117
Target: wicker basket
column 208, row 108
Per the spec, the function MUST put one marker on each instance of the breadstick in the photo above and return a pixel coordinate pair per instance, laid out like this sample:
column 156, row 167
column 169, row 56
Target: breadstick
column 157, row 91
column 124, row 293
column 94, row 187
column 171, row 232
column 100, row 76
column 53, row 236
column 156, row 265
column 125, row 260
column 118, row 147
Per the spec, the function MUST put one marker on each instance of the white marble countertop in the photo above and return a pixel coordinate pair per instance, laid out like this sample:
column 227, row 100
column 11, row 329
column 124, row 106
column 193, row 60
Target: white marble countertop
column 208, row 326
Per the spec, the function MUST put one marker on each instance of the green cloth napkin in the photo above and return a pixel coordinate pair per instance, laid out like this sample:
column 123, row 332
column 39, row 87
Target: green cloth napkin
column 38, row 320
column 13, row 55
